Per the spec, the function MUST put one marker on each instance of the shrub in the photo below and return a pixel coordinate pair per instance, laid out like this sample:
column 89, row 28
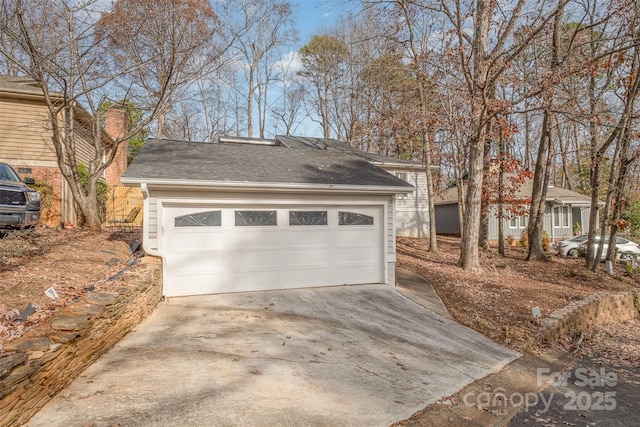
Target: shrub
column 524, row 240
column 577, row 229
column 546, row 241
column 46, row 192
column 46, row 199
column 628, row 269
column 20, row 243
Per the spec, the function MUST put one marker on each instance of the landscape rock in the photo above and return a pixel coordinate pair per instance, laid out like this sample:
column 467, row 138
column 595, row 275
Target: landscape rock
column 102, row 298
column 34, row 355
column 92, row 310
column 10, row 361
column 80, row 336
column 33, row 344
column 28, row 311
column 71, row 322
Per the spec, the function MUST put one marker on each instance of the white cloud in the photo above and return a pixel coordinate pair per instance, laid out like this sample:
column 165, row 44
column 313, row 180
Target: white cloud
column 289, row 64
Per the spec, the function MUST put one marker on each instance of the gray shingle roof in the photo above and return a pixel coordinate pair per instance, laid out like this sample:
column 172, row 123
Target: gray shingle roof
column 561, row 195
column 245, row 163
column 338, row 146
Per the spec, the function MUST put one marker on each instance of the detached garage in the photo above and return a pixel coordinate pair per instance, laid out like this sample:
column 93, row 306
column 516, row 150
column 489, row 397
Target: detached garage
column 238, row 217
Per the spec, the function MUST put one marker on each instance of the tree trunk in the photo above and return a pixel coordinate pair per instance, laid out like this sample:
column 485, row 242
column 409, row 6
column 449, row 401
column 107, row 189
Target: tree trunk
column 607, row 205
column 426, row 146
column 483, row 240
column 503, row 152
column 539, row 193
column 469, row 259
column 250, row 106
column 618, row 196
column 543, row 160
column 161, row 121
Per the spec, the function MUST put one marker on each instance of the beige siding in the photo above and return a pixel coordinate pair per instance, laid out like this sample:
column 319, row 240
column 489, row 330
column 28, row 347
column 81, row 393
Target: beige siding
column 85, row 148
column 25, row 133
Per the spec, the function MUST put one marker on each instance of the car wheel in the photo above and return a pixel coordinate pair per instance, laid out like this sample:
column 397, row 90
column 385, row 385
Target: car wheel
column 628, row 256
column 573, row 253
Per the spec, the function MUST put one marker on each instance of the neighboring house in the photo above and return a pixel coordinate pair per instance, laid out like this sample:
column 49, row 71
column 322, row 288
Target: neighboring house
column 412, row 209
column 243, row 217
column 25, row 143
column 565, row 211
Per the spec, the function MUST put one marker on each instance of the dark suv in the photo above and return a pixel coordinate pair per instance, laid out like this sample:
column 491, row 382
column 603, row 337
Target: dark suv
column 19, row 204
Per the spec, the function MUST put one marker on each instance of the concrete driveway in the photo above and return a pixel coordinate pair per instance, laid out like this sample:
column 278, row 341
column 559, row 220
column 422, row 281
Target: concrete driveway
column 357, row 355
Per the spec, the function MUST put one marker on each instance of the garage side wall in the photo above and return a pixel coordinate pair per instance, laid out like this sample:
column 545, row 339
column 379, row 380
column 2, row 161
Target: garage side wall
column 152, row 224
column 391, row 242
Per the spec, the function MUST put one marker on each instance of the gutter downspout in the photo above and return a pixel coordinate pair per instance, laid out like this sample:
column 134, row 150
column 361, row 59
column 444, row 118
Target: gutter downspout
column 145, row 230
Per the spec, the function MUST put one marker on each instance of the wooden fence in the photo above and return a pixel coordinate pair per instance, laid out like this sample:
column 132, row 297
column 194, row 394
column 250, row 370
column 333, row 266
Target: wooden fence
column 120, row 202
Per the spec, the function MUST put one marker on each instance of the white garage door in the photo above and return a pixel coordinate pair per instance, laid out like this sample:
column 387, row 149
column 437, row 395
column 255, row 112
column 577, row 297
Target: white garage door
column 222, row 249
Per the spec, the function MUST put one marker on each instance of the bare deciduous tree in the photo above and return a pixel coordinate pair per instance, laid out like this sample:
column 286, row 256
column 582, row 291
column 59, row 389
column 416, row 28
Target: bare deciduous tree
column 78, row 72
column 260, row 29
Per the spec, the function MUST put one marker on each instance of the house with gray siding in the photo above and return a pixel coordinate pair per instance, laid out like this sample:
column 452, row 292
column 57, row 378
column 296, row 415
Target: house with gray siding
column 565, row 212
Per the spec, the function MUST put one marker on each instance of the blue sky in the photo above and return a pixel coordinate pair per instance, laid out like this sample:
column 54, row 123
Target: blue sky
column 314, row 15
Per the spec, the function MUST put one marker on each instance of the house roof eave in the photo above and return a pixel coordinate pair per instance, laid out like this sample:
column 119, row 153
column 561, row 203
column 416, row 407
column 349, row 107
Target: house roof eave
column 261, row 186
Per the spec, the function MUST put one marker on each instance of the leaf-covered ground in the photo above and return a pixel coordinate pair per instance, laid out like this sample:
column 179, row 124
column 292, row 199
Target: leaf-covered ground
column 499, row 301
column 73, row 262
column 496, row 303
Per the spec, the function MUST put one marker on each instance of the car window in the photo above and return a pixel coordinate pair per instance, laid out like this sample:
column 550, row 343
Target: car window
column 7, row 174
column 579, row 239
column 621, row 241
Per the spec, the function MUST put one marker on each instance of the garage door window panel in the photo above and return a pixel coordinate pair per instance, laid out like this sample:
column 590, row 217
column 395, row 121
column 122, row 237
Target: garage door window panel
column 256, row 218
column 297, row 218
column 200, row 219
column 354, row 218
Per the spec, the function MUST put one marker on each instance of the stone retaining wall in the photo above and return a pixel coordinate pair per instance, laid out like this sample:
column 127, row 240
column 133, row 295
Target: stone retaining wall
column 32, row 371
column 595, row 310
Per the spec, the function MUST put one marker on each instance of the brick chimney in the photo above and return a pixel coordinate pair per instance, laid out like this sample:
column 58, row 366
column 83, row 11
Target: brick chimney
column 116, row 127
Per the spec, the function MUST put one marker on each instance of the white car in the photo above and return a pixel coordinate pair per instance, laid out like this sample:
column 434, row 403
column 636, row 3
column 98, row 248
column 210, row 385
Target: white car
column 571, row 246
column 626, row 249
column 577, row 245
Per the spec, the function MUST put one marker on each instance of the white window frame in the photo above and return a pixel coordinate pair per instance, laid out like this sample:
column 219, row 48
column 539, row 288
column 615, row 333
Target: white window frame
column 519, row 222
column 402, row 175
column 562, row 216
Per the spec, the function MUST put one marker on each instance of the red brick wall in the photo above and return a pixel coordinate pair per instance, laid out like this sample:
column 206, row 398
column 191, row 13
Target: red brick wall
column 50, row 215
